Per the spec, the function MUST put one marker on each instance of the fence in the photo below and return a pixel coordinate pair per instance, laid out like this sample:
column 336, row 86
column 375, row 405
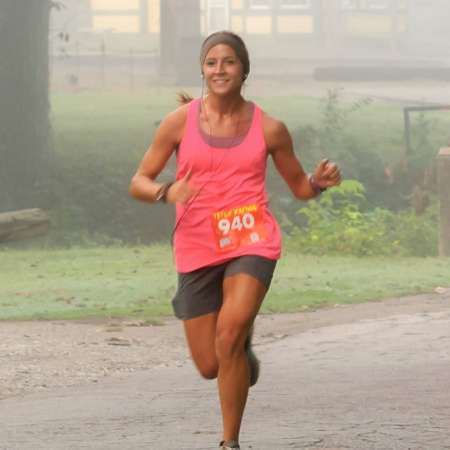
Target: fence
column 93, row 64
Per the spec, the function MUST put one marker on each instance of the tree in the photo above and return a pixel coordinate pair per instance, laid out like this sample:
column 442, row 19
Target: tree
column 180, row 40
column 24, row 105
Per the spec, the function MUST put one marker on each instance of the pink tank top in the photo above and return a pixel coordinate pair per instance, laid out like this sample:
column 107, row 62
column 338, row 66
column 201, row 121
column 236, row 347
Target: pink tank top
column 230, row 216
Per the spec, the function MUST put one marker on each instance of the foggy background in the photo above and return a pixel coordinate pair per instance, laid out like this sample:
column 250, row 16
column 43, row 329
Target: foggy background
column 140, row 40
column 84, row 84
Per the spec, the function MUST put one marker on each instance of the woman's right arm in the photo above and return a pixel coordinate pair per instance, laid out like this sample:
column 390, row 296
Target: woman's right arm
column 143, row 185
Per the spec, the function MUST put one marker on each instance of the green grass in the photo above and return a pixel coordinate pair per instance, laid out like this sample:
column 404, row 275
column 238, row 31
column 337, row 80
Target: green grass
column 313, row 281
column 140, row 282
column 121, row 123
column 108, row 123
column 73, row 284
column 378, row 126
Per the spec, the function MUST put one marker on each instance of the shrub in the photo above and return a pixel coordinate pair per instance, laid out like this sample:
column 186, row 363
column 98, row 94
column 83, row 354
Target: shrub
column 98, row 149
column 338, row 223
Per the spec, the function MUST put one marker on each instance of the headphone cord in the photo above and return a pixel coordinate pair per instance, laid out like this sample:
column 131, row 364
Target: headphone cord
column 212, row 172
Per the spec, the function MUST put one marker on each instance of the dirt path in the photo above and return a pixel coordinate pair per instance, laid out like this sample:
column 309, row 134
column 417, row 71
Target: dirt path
column 369, row 376
column 40, row 356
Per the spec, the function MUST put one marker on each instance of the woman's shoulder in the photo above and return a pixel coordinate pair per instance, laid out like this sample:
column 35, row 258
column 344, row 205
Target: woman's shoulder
column 179, row 114
column 176, row 119
column 273, row 128
column 173, row 124
column 275, row 131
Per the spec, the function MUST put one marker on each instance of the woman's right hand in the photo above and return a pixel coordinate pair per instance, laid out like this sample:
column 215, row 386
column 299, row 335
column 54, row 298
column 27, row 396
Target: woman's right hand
column 182, row 190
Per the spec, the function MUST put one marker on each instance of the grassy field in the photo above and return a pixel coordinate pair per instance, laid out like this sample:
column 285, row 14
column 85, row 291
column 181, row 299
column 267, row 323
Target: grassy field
column 139, row 282
column 125, row 122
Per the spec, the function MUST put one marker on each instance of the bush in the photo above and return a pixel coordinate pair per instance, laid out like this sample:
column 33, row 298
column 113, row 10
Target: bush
column 98, row 149
column 337, row 223
column 90, row 204
column 390, row 179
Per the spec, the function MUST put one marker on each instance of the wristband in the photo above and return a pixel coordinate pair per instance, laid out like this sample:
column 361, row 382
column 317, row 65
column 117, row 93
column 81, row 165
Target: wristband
column 314, row 186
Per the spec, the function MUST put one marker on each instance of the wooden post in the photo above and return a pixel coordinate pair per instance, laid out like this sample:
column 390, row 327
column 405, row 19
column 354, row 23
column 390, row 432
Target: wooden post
column 394, row 26
column 143, row 16
column 443, row 166
column 330, row 26
column 180, row 41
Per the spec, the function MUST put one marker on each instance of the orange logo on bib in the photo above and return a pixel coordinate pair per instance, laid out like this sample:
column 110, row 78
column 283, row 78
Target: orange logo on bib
column 239, row 226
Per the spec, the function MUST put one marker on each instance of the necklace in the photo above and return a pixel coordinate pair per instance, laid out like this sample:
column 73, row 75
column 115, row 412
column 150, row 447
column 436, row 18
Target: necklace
column 233, row 140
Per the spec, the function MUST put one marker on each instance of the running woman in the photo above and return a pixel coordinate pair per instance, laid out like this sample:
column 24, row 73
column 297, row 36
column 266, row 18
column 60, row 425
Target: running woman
column 226, row 241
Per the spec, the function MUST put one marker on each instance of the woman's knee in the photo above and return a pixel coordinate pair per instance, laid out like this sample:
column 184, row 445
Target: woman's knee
column 230, row 341
column 208, row 370
column 200, row 335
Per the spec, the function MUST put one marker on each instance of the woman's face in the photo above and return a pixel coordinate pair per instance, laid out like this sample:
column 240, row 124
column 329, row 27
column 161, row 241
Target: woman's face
column 223, row 70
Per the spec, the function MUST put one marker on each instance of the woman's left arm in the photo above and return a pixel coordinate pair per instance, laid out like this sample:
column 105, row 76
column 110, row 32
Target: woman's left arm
column 304, row 186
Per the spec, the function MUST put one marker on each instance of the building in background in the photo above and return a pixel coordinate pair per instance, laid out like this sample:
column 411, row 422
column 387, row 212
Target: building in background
column 325, row 24
column 293, row 31
column 429, row 26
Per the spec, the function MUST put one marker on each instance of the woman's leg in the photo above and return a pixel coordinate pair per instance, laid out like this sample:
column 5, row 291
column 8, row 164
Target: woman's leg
column 201, row 336
column 242, row 298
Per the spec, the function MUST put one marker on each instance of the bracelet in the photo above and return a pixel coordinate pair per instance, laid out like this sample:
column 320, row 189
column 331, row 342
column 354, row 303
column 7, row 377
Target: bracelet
column 161, row 194
column 314, row 186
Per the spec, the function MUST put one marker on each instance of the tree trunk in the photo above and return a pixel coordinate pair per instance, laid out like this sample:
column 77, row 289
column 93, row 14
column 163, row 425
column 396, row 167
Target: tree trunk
column 180, row 41
column 24, row 106
column 17, row 225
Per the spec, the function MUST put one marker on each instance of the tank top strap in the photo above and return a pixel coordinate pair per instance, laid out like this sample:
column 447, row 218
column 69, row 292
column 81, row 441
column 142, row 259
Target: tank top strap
column 193, row 110
column 255, row 133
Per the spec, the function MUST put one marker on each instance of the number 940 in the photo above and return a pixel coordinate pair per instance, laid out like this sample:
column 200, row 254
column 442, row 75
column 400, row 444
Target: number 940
column 246, row 221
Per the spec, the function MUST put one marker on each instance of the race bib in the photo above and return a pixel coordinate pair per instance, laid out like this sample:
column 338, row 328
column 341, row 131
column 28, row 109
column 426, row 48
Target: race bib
column 236, row 227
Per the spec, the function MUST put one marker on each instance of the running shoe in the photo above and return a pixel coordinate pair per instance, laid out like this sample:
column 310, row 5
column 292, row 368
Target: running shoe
column 253, row 361
column 229, row 445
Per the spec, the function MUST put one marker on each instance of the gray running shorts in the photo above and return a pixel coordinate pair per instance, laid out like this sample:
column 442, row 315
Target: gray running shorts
column 200, row 291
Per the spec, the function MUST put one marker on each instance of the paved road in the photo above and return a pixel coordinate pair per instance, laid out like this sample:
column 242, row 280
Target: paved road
column 378, row 384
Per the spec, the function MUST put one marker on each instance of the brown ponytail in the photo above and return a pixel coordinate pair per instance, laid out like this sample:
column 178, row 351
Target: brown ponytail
column 183, row 98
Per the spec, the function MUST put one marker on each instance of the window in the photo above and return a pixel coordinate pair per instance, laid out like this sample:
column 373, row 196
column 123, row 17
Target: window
column 377, row 4
column 260, row 4
column 217, row 15
column 370, row 5
column 349, row 4
column 295, row 4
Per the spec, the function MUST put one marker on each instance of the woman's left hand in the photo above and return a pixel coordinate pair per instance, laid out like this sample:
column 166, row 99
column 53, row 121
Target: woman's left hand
column 327, row 174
